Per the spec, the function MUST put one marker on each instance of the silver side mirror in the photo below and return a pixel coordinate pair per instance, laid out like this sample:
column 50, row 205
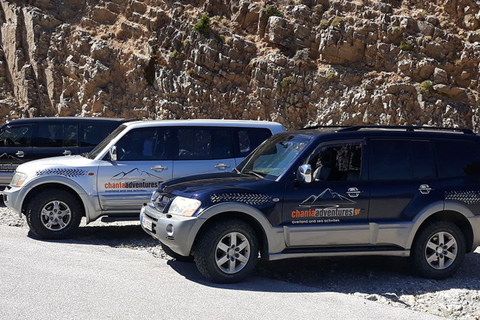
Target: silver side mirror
column 304, row 173
column 113, row 153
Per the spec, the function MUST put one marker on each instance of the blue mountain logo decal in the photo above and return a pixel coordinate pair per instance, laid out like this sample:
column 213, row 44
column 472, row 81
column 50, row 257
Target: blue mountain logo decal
column 135, row 175
column 328, row 198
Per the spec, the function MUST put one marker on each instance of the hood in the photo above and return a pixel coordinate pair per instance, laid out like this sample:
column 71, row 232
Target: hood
column 77, row 162
column 209, row 183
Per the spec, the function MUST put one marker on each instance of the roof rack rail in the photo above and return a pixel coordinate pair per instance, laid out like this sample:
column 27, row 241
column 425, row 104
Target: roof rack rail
column 408, row 128
column 325, row 127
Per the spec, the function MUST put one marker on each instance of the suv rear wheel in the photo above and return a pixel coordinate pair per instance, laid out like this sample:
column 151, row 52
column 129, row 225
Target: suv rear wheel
column 53, row 214
column 227, row 252
column 439, row 250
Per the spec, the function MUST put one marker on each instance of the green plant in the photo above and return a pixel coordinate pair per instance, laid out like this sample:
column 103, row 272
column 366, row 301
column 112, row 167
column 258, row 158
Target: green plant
column 271, row 11
column 186, row 43
column 175, row 54
column 286, row 82
column 406, row 45
column 337, row 21
column 426, row 87
column 332, row 76
column 220, row 38
column 324, row 24
column 203, row 25
column 2, row 80
column 191, row 72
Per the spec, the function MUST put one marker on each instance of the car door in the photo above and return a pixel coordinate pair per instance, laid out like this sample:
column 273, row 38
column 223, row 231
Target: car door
column 54, row 139
column 15, row 149
column 331, row 210
column 144, row 160
column 403, row 179
column 203, row 150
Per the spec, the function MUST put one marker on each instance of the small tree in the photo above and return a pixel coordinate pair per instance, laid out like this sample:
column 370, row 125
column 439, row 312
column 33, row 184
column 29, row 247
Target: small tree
column 426, row 87
column 203, row 25
column 271, row 11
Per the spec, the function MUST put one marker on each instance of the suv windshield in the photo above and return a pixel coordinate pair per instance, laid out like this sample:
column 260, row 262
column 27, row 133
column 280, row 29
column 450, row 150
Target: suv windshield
column 96, row 151
column 274, row 156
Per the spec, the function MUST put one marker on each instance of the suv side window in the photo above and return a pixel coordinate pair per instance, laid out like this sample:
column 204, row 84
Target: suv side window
column 337, row 163
column 146, row 144
column 401, row 160
column 70, row 136
column 457, row 158
column 249, row 139
column 49, row 135
column 204, row 143
column 16, row 136
column 93, row 134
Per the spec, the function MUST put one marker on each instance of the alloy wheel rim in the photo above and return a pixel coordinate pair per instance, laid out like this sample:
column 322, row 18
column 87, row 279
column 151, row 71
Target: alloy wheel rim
column 56, row 215
column 441, row 250
column 232, row 253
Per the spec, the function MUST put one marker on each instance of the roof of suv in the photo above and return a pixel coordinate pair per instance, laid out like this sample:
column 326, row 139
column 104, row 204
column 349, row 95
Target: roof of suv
column 399, row 131
column 62, row 119
column 205, row 122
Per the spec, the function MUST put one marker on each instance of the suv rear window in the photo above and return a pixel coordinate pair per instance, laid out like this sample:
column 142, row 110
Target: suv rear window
column 457, row 158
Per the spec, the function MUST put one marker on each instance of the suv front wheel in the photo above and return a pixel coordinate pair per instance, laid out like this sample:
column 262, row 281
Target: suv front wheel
column 53, row 214
column 439, row 250
column 227, row 252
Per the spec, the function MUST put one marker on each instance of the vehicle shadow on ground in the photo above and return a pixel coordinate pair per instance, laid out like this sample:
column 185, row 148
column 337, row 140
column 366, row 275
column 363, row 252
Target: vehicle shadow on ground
column 389, row 277
column 127, row 236
column 385, row 276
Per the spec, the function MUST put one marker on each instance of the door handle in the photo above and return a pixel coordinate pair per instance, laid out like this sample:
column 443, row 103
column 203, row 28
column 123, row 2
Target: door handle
column 20, row 154
column 353, row 192
column 424, row 189
column 221, row 166
column 158, row 168
column 67, row 153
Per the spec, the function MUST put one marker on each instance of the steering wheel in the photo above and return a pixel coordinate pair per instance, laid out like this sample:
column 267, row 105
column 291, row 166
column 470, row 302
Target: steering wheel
column 8, row 142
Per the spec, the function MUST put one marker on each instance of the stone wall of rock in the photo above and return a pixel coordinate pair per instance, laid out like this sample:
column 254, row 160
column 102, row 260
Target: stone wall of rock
column 326, row 62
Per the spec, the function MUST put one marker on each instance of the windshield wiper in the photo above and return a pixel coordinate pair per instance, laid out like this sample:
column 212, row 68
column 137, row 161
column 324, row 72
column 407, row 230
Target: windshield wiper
column 254, row 173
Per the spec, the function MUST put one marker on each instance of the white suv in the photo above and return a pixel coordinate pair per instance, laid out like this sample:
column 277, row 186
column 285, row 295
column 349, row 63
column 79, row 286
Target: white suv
column 120, row 174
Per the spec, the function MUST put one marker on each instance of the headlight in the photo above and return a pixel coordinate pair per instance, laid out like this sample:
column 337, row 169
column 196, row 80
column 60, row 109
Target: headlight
column 184, row 206
column 18, row 179
column 154, row 197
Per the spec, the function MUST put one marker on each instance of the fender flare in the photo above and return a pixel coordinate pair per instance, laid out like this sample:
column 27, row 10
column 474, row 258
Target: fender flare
column 85, row 198
column 434, row 208
column 274, row 236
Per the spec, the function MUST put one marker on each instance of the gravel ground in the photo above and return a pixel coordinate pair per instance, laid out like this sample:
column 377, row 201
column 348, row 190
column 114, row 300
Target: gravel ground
column 384, row 279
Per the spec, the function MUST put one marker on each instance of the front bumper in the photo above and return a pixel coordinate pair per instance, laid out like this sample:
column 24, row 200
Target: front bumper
column 11, row 198
column 176, row 232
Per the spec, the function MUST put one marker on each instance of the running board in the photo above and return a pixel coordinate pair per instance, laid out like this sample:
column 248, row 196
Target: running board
column 117, row 219
column 340, row 252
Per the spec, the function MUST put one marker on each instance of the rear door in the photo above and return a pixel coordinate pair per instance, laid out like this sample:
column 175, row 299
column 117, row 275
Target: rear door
column 403, row 179
column 203, row 150
column 55, row 139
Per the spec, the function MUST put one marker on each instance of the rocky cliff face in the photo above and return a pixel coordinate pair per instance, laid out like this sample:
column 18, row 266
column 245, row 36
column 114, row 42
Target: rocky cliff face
column 299, row 62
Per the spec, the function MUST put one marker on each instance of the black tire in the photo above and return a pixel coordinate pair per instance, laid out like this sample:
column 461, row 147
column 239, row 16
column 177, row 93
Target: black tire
column 175, row 255
column 439, row 250
column 53, row 214
column 227, row 251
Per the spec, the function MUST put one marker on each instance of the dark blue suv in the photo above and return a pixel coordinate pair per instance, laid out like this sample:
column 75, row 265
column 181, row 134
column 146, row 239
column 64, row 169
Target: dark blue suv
column 398, row 191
